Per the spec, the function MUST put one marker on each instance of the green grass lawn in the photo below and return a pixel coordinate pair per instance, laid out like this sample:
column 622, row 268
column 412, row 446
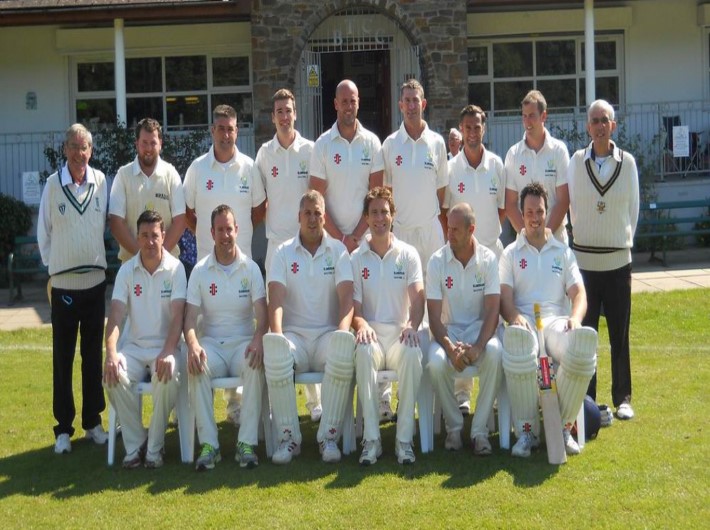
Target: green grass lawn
column 648, row 472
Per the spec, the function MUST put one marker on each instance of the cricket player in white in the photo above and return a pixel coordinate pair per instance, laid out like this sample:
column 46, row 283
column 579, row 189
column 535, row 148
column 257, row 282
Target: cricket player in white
column 310, row 312
column 463, row 299
column 227, row 289
column 477, row 177
column 223, row 175
column 416, row 169
column 283, row 165
column 538, row 157
column 538, row 268
column 388, row 309
column 150, row 291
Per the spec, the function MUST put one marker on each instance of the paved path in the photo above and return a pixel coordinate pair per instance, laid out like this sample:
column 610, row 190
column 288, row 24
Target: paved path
column 687, row 269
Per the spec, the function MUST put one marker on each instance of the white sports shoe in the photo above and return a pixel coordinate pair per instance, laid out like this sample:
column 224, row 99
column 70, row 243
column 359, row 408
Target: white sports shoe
column 453, row 441
column 571, row 446
column 404, row 452
column 62, row 444
column 481, row 445
column 316, row 413
column 624, row 411
column 371, row 451
column 329, row 451
column 524, row 444
column 286, row 451
column 386, row 413
column 607, row 416
column 97, row 435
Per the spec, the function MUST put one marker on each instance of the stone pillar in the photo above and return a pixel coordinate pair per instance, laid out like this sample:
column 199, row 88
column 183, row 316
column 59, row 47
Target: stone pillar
column 281, row 28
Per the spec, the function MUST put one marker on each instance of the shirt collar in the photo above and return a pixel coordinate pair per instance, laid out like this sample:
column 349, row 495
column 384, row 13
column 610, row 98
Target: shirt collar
column 138, row 264
column 213, row 263
column 276, row 145
column 615, row 152
column 394, row 245
column 326, row 244
column 66, row 178
column 546, row 144
column 335, row 132
column 136, row 167
column 231, row 161
column 522, row 241
column 404, row 135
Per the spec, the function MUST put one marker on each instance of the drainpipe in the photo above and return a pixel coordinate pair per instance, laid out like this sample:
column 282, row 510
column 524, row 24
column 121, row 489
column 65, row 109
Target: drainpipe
column 120, row 71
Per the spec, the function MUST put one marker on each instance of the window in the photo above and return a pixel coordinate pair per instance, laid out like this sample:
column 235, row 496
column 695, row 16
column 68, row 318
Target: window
column 501, row 72
column 178, row 91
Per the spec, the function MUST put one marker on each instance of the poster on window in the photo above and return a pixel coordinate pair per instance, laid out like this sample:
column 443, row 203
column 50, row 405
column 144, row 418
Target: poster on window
column 681, row 142
column 31, row 189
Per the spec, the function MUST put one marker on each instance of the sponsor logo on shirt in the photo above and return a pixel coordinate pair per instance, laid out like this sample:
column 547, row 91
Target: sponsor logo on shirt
column 479, row 283
column 365, row 273
column 209, row 185
column 551, row 169
column 243, row 184
column 274, row 172
column 429, row 160
column 302, row 170
column 213, row 289
column 337, row 159
column 523, row 263
column 398, row 160
column 137, row 289
column 399, row 269
column 449, row 282
column 366, row 159
column 495, row 184
column 523, row 170
column 163, row 196
column 461, row 187
column 294, row 267
column 244, row 288
column 167, row 290
column 557, row 266
column 328, row 268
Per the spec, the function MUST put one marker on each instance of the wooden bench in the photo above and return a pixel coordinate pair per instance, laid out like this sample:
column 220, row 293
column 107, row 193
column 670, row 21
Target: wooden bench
column 656, row 223
column 26, row 259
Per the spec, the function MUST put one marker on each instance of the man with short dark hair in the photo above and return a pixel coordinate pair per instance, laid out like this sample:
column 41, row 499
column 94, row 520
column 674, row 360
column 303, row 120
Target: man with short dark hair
column 147, row 183
column 149, row 293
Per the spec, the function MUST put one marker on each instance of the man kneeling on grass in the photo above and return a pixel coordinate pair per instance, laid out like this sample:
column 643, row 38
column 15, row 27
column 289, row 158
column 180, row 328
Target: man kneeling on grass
column 150, row 290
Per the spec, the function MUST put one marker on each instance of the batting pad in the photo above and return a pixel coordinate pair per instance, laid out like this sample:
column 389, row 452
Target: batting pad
column 366, row 360
column 520, row 367
column 575, row 372
column 335, row 390
column 278, row 368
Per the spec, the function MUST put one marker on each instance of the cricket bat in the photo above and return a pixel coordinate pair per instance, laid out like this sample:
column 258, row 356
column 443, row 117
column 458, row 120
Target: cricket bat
column 549, row 402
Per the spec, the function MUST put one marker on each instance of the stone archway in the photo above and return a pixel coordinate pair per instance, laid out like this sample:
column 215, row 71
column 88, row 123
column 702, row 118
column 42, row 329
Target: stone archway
column 438, row 28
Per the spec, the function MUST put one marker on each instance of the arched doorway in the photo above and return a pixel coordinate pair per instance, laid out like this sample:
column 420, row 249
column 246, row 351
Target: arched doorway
column 359, row 44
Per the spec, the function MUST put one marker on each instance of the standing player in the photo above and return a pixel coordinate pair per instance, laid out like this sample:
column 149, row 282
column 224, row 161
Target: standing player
column 477, row 177
column 150, row 293
column 227, row 289
column 70, row 234
column 538, row 157
column 604, row 196
column 538, row 268
column 283, row 164
column 147, row 183
column 463, row 299
column 310, row 297
column 416, row 169
column 223, row 175
column 388, row 309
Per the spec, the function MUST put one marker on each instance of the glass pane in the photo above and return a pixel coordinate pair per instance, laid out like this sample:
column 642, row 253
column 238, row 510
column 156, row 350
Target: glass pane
column 480, row 94
column 606, row 88
column 187, row 111
column 144, row 75
column 512, row 59
column 242, row 103
column 96, row 111
column 186, row 73
column 508, row 95
column 555, row 57
column 230, row 71
column 95, row 77
column 478, row 60
column 139, row 108
column 605, row 55
column 559, row 93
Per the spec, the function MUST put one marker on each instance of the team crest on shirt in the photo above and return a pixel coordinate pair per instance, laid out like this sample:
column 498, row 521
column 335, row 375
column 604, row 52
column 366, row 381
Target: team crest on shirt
column 62, row 208
column 244, row 288
column 302, row 170
column 97, row 204
column 243, row 184
column 479, row 283
column 429, row 160
column 495, row 184
column 328, row 267
column 551, row 169
column 166, row 290
column 557, row 265
column 366, row 159
column 398, row 273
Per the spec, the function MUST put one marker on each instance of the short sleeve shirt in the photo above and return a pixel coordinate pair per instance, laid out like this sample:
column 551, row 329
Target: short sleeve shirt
column 539, row 276
column 346, row 166
column 226, row 299
column 148, row 298
column 380, row 284
column 462, row 290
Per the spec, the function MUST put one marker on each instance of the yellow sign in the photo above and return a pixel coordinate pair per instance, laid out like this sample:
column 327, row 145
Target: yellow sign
column 313, row 77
